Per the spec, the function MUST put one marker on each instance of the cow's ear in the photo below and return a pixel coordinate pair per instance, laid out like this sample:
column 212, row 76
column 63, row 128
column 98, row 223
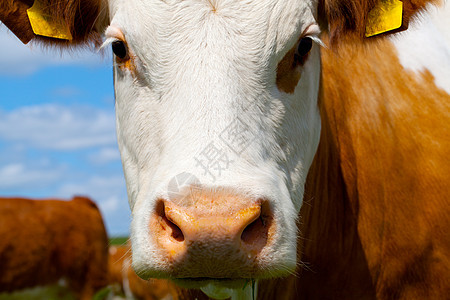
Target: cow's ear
column 61, row 22
column 341, row 18
column 365, row 18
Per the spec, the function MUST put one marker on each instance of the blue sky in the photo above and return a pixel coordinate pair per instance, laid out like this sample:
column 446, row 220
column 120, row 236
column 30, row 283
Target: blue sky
column 57, row 128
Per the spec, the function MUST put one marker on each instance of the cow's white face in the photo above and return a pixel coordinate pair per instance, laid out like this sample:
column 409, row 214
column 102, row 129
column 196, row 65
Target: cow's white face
column 197, row 98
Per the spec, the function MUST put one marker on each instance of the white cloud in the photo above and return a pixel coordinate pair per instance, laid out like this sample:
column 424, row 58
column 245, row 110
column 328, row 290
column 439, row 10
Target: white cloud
column 44, row 177
column 108, row 192
column 20, row 176
column 110, row 204
column 57, row 127
column 19, row 59
column 105, row 155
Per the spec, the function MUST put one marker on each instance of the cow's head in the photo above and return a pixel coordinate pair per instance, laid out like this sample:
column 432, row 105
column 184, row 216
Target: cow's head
column 217, row 126
column 217, row 123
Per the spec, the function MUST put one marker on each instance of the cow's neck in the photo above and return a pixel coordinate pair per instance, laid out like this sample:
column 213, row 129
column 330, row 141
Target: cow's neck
column 356, row 209
column 330, row 245
column 364, row 201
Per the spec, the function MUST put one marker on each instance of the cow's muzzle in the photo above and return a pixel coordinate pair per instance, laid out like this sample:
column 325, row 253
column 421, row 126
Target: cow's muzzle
column 212, row 236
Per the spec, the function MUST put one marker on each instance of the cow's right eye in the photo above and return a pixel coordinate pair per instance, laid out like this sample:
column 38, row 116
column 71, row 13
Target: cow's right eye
column 120, row 49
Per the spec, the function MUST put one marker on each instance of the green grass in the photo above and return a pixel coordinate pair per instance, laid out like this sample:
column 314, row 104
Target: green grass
column 54, row 292
column 118, row 240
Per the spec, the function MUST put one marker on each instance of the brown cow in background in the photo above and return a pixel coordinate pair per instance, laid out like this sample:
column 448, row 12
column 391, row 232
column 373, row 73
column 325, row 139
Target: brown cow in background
column 123, row 280
column 44, row 241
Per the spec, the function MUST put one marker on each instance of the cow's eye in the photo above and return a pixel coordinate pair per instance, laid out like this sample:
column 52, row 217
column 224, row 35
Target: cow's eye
column 120, row 49
column 304, row 46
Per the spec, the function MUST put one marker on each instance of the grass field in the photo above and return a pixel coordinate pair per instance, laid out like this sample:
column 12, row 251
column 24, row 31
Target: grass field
column 118, row 240
column 53, row 292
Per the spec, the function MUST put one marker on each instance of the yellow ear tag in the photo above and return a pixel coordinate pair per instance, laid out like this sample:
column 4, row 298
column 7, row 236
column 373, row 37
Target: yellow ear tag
column 44, row 24
column 384, row 17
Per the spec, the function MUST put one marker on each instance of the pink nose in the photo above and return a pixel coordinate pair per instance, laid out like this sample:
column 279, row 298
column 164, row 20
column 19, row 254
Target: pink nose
column 214, row 230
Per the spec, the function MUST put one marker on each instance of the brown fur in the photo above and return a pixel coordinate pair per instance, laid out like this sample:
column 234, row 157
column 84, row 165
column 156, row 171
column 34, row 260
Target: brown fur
column 347, row 18
column 288, row 72
column 375, row 219
column 120, row 267
column 153, row 289
column 13, row 15
column 46, row 240
column 80, row 16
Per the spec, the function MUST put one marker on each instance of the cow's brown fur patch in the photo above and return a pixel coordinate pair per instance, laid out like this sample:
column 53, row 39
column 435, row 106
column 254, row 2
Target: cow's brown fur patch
column 288, row 72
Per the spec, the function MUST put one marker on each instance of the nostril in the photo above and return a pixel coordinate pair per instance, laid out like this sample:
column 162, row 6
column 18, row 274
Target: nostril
column 167, row 224
column 253, row 231
column 176, row 233
column 255, row 235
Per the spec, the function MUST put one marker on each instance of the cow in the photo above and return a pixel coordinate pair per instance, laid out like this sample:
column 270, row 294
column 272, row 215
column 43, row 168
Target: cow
column 220, row 106
column 44, row 242
column 375, row 218
column 123, row 280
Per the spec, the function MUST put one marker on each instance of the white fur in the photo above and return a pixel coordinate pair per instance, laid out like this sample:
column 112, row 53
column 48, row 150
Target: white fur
column 426, row 44
column 125, row 280
column 197, row 71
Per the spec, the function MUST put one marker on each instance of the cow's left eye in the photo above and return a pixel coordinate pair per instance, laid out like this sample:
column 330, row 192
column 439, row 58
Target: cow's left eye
column 304, row 47
column 120, row 49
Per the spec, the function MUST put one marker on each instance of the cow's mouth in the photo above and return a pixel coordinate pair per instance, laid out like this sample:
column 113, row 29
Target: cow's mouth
column 221, row 288
column 199, row 282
